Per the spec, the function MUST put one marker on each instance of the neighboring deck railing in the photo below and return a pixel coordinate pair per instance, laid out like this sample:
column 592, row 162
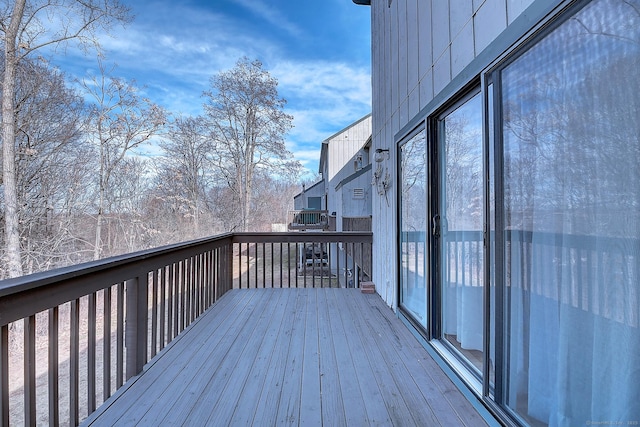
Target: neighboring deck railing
column 309, row 220
column 107, row 319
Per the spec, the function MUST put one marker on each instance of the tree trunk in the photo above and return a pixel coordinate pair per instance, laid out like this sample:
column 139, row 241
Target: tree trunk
column 12, row 233
column 97, row 249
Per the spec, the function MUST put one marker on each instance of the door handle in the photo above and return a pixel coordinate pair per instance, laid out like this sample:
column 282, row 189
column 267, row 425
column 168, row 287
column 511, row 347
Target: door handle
column 435, row 226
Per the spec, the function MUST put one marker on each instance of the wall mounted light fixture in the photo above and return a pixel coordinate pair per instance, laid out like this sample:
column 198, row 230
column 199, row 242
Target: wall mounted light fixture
column 381, row 178
column 381, row 154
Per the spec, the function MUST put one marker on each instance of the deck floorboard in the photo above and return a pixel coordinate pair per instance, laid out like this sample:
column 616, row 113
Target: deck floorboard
column 292, row 356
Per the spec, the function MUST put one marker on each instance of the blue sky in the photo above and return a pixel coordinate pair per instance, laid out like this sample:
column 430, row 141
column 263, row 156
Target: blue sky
column 318, row 50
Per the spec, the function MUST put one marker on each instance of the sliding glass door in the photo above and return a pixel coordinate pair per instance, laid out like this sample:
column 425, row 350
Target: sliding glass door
column 458, row 230
column 413, row 223
column 570, row 221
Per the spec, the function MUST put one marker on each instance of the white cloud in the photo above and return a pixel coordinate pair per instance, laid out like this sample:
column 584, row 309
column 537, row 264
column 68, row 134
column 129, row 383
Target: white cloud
column 174, row 48
column 324, row 97
column 271, row 15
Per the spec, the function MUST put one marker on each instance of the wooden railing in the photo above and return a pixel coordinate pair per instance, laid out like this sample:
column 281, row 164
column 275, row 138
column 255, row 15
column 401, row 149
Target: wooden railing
column 309, row 220
column 79, row 333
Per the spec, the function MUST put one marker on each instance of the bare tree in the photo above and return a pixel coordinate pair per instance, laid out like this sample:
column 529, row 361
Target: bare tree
column 49, row 119
column 186, row 167
column 120, row 122
column 248, row 124
column 29, row 25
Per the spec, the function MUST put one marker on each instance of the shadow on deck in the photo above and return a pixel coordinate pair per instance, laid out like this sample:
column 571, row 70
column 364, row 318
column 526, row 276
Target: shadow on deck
column 294, row 356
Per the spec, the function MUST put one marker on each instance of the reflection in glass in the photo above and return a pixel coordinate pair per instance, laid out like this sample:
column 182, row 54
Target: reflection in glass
column 571, row 137
column 413, row 208
column 461, row 223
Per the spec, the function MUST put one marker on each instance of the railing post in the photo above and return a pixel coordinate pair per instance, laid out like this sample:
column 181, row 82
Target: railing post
column 136, row 324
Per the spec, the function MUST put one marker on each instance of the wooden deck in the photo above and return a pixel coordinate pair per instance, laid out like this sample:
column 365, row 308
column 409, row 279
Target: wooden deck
column 292, row 356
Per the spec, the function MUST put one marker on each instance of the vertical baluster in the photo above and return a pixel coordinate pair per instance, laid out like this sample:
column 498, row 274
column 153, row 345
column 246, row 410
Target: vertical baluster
column 74, row 356
column 207, row 278
column 304, row 263
column 186, row 295
column 207, row 282
column 119, row 335
column 170, row 303
column 281, row 277
column 356, row 265
column 193, row 288
column 215, row 271
column 239, row 245
column 247, row 257
column 264, row 265
column 329, row 255
column 106, row 344
column 30, row 371
column 54, row 391
column 212, row 273
column 4, row 375
column 297, row 258
column 176, row 298
column 91, row 353
column 313, row 265
column 322, row 248
column 154, row 312
column 362, row 259
column 198, row 284
column 338, row 263
column 272, row 275
column 181, row 295
column 224, row 265
column 289, row 264
column 204, row 284
column 346, row 264
column 162, row 282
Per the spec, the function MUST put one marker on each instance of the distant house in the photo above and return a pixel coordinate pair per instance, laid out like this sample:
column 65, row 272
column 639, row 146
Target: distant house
column 341, row 200
column 312, row 197
column 506, row 210
column 346, row 171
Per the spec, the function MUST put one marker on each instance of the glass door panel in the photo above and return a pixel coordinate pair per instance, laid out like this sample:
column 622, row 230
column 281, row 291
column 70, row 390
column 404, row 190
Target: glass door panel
column 413, row 223
column 571, row 221
column 458, row 226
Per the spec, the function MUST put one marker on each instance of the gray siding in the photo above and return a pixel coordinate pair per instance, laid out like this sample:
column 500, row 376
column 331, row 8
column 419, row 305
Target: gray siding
column 418, row 48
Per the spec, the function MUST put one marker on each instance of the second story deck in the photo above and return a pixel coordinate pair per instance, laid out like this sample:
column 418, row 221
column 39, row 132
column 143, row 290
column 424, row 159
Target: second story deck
column 310, row 356
column 239, row 329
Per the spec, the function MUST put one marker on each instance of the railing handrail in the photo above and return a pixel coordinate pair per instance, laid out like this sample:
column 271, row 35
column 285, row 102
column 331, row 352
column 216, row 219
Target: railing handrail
column 23, row 296
column 295, row 211
column 138, row 303
column 319, row 237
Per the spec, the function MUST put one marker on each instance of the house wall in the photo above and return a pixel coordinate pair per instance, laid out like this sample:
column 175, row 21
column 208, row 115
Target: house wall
column 343, row 146
column 355, row 205
column 341, row 151
column 301, row 201
column 422, row 52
